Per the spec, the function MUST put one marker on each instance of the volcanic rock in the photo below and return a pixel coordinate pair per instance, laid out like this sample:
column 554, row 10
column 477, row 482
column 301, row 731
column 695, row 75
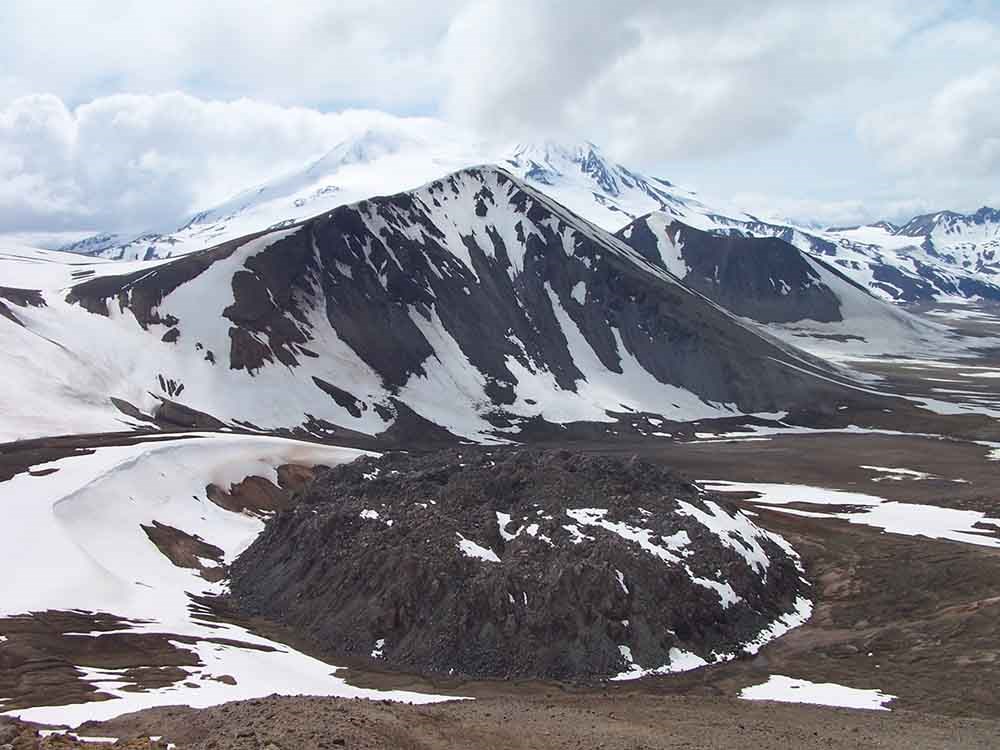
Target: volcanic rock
column 519, row 563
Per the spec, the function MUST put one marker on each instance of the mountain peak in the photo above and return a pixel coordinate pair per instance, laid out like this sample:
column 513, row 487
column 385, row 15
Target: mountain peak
column 553, row 151
column 370, row 145
column 547, row 161
column 949, row 222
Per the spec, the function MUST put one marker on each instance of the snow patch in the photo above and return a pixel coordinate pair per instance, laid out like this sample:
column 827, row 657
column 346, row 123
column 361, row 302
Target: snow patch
column 98, row 559
column 471, row 549
column 790, row 690
column 909, row 519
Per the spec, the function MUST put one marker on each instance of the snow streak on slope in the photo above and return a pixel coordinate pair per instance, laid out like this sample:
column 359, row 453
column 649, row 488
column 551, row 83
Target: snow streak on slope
column 97, row 558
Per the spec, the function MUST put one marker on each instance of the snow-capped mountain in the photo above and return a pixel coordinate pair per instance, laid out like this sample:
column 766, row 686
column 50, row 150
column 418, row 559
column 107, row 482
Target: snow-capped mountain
column 800, row 297
column 983, row 225
column 475, row 304
column 382, row 162
column 943, row 256
column 105, row 243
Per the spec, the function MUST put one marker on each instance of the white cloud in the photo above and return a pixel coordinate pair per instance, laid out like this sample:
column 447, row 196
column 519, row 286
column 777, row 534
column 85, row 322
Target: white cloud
column 954, row 133
column 138, row 162
column 821, row 213
column 663, row 80
column 699, row 84
column 355, row 52
column 806, row 211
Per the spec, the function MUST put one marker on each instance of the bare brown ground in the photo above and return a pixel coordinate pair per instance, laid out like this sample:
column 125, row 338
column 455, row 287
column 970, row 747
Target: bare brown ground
column 624, row 720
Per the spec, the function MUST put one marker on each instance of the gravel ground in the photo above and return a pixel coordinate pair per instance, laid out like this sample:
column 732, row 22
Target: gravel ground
column 612, row 722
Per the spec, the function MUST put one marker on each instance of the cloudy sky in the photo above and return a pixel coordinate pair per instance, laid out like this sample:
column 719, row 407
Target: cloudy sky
column 127, row 115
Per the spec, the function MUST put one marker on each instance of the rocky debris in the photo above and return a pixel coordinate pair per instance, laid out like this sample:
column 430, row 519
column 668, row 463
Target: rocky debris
column 172, row 414
column 40, row 658
column 16, row 735
column 553, row 720
column 353, row 405
column 22, row 297
column 516, row 563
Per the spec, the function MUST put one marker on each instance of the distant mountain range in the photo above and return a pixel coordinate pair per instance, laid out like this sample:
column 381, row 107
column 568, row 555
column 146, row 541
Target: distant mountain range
column 943, row 256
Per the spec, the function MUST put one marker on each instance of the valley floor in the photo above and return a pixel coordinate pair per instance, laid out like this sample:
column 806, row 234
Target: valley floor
column 553, row 720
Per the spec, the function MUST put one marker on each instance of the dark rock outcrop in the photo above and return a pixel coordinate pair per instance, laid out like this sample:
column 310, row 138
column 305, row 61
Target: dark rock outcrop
column 763, row 278
column 515, row 563
column 19, row 298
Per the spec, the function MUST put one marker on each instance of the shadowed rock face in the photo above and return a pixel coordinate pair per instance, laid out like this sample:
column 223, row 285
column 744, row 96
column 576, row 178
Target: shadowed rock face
column 515, row 563
column 476, row 267
column 19, row 298
column 763, row 278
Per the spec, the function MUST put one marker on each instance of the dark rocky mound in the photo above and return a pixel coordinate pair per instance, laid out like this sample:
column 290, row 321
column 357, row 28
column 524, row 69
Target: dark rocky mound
column 763, row 278
column 604, row 565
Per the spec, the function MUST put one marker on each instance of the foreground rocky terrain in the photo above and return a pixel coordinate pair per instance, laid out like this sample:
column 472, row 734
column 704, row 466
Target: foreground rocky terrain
column 549, row 719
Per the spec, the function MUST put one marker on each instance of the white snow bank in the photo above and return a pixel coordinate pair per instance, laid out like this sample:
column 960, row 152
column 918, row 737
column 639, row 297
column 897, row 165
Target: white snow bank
column 896, row 474
column 680, row 661
column 470, row 549
column 790, row 690
column 897, row 518
column 97, row 558
column 685, row 661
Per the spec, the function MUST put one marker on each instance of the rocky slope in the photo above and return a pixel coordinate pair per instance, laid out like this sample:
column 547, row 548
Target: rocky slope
column 764, row 278
column 772, row 282
column 474, row 307
column 518, row 564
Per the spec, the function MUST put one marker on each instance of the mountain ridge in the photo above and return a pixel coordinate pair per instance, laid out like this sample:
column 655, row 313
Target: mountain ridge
column 360, row 317
column 893, row 262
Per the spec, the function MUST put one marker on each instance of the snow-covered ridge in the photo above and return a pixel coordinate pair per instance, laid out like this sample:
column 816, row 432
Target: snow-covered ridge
column 475, row 302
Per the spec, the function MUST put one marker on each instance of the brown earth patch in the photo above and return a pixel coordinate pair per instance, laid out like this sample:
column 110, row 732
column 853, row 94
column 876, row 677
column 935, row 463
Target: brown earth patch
column 187, row 551
column 42, row 653
column 258, row 495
